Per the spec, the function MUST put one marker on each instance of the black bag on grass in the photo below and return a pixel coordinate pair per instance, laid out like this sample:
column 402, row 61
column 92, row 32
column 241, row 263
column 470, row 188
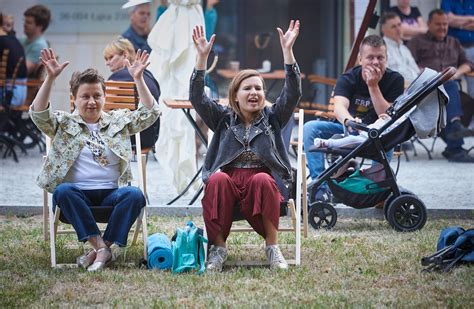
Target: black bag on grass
column 455, row 246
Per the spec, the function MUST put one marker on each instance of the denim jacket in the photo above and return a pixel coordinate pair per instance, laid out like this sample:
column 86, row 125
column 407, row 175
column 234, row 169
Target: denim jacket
column 68, row 131
column 265, row 135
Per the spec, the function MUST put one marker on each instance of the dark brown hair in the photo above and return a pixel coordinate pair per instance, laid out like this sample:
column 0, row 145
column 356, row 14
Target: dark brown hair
column 387, row 16
column 372, row 41
column 435, row 12
column 234, row 87
column 41, row 14
column 89, row 76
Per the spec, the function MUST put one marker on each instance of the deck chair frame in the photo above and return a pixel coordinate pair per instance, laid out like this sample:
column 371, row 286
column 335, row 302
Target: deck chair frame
column 118, row 95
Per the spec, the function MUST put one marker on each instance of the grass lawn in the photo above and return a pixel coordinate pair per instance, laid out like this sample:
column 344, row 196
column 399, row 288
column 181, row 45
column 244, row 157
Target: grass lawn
column 359, row 263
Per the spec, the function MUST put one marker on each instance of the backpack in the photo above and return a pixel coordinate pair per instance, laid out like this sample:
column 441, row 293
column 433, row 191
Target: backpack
column 188, row 249
column 455, row 246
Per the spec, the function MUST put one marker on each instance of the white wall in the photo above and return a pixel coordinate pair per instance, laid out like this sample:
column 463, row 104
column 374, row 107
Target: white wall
column 83, row 50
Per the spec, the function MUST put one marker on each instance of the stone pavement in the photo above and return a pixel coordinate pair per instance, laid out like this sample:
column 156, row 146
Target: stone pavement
column 447, row 189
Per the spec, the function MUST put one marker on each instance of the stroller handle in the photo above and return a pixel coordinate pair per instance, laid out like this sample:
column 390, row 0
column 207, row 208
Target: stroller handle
column 357, row 125
column 447, row 74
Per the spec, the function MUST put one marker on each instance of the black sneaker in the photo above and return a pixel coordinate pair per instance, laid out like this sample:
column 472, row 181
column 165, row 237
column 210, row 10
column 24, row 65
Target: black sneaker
column 459, row 131
column 460, row 156
column 323, row 195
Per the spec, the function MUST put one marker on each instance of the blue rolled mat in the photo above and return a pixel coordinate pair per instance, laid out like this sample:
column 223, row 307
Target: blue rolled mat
column 159, row 251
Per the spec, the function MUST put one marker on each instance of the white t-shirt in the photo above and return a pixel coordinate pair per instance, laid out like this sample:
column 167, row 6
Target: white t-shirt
column 96, row 167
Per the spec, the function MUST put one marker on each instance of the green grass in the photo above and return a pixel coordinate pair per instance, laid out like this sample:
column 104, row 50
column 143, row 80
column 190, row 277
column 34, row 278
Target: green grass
column 359, row 263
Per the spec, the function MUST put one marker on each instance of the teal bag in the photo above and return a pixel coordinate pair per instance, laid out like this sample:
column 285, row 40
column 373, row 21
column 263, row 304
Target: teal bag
column 361, row 188
column 188, row 249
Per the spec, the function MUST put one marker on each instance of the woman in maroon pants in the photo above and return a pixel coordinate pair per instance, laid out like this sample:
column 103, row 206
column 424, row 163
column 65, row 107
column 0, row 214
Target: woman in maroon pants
column 246, row 149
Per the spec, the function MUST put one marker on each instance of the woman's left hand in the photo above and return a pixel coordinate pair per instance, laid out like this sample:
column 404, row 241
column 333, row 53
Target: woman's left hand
column 139, row 65
column 288, row 38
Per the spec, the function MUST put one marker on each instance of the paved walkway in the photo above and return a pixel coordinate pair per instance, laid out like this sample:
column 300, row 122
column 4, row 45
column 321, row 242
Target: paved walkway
column 440, row 184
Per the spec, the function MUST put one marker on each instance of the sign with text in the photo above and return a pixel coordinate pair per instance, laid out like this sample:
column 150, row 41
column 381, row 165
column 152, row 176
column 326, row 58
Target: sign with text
column 87, row 16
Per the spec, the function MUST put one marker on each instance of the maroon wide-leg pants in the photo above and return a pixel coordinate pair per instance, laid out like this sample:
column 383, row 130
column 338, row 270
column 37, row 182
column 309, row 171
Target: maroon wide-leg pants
column 254, row 189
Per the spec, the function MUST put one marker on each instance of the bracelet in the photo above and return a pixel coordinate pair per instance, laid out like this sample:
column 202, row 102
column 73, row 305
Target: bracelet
column 344, row 122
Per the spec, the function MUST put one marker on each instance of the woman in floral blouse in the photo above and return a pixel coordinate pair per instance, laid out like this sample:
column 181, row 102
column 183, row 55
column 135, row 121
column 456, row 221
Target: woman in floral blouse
column 88, row 164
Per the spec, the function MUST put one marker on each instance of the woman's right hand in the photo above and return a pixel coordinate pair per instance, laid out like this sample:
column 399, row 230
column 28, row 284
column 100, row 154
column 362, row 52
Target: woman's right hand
column 203, row 47
column 53, row 67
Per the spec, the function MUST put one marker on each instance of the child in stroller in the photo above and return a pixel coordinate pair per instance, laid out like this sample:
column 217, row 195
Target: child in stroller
column 420, row 110
column 352, row 140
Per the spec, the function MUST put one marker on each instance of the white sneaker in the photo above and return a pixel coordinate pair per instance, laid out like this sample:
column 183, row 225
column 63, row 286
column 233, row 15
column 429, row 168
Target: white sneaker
column 320, row 143
column 217, row 257
column 275, row 257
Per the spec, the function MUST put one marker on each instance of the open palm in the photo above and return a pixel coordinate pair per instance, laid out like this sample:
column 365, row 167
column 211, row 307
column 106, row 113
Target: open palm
column 203, row 47
column 288, row 38
column 50, row 62
column 139, row 64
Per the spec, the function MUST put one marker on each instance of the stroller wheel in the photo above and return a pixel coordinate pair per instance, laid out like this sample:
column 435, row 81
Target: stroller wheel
column 389, row 200
column 406, row 213
column 322, row 215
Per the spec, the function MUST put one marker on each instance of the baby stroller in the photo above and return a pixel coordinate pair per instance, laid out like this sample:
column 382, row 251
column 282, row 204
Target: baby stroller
column 420, row 110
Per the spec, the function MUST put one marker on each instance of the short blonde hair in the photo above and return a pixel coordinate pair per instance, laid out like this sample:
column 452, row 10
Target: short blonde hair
column 234, row 87
column 120, row 46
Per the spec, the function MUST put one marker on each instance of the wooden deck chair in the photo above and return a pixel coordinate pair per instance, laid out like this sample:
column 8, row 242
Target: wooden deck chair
column 294, row 209
column 117, row 95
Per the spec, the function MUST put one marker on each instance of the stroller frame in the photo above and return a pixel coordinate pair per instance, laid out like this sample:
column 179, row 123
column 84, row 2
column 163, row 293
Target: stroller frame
column 403, row 210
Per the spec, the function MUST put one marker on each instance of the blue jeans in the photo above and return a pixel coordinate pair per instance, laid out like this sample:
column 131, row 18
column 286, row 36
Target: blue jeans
column 75, row 204
column 453, row 109
column 321, row 129
column 318, row 129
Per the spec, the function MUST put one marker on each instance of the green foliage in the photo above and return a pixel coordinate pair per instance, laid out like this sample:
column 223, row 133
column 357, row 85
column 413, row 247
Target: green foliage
column 360, row 263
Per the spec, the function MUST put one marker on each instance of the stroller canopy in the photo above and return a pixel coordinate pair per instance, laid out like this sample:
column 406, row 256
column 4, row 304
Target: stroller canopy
column 429, row 116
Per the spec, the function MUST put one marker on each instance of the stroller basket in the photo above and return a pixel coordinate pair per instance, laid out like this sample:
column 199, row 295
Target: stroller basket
column 362, row 188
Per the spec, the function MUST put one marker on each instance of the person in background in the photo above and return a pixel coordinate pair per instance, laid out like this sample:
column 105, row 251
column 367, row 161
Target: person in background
column 246, row 148
column 437, row 50
column 361, row 94
column 89, row 161
column 461, row 26
column 399, row 56
column 412, row 21
column 16, row 57
column 9, row 24
column 161, row 8
column 137, row 32
column 210, row 17
column 116, row 54
column 37, row 20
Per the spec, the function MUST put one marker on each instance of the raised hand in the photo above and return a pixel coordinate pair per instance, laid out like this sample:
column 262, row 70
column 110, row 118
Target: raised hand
column 203, row 47
column 140, row 63
column 288, row 38
column 50, row 62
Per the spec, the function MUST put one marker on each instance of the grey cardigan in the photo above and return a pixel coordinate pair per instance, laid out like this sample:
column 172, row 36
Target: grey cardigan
column 265, row 135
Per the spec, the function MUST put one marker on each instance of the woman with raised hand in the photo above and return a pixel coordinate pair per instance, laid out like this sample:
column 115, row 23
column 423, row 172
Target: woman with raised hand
column 89, row 161
column 246, row 148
